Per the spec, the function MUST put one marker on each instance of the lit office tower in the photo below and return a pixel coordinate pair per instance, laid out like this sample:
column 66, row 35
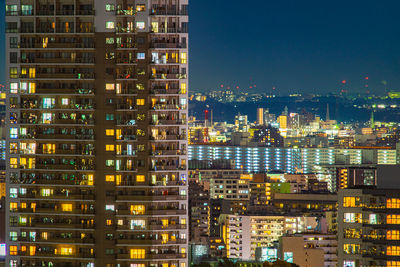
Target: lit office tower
column 97, row 111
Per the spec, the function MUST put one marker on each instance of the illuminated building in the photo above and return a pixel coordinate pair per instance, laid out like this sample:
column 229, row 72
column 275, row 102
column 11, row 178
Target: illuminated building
column 289, row 160
column 96, row 138
column 241, row 123
column 368, row 227
column 312, row 249
column 260, row 116
column 243, row 234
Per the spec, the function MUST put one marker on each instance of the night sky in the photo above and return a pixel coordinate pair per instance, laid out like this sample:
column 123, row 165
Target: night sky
column 296, row 46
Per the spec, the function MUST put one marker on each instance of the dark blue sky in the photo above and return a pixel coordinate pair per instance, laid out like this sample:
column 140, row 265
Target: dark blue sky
column 302, row 46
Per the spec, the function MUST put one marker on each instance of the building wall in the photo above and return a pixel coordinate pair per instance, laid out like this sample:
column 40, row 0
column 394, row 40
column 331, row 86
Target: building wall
column 96, row 133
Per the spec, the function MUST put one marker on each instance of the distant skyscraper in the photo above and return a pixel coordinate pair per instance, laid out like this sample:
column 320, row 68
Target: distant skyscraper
column 97, row 129
column 260, row 116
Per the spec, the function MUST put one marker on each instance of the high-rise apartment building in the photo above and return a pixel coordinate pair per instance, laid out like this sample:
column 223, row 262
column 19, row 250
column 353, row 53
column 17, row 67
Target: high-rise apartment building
column 369, row 227
column 96, row 132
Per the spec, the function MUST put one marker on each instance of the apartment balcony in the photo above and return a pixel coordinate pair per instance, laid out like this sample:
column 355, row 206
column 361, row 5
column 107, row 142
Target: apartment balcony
column 61, row 122
column 60, row 240
column 153, row 256
column 56, row 45
column 62, row 137
column 125, row 30
column 175, row 152
column 85, row 12
column 125, row 107
column 60, row 76
column 63, row 182
column 153, row 227
column 150, row 198
column 168, row 122
column 125, row 46
column 168, row 168
column 168, row 30
column 163, row 91
column 162, row 76
column 161, row 45
column 129, row 183
column 144, row 242
column 122, row 61
column 65, row 12
column 69, row 223
column 168, row 107
column 125, row 12
column 151, row 212
column 65, row 167
column 175, row 137
column 39, row 210
column 168, row 12
column 31, row 106
column 57, row 61
column 59, row 196
column 51, row 255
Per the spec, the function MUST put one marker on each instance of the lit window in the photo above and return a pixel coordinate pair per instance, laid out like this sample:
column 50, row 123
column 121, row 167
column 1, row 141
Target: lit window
column 110, row 7
column 110, row 25
column 13, row 133
column 44, row 235
column 110, row 178
column 13, row 236
column 393, row 219
column 48, row 102
column 140, row 101
column 67, row 251
column 32, row 72
column 137, row 209
column 47, row 118
column 141, row 55
column 109, row 117
column 13, row 192
column 108, row 222
column 183, row 88
column 140, row 7
column 140, row 178
column 13, row 250
column 393, row 203
column 140, row 25
column 110, row 86
column 64, row 101
column 13, row 206
column 14, row 88
column 49, row 148
column 110, row 147
column 137, row 224
column 66, row 207
column 140, row 86
column 45, row 192
column 183, row 58
column 13, row 73
column 393, row 251
column 90, row 179
column 393, row 235
column 13, row 163
column 351, row 248
column 392, row 264
column 109, row 162
column 110, row 207
column 110, row 40
column 137, row 253
column 349, row 202
column 110, row 132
